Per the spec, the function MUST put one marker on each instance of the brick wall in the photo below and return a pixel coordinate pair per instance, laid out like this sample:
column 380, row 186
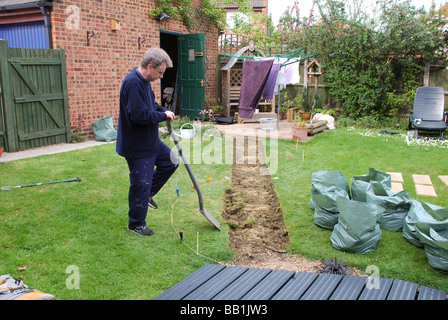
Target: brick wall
column 95, row 72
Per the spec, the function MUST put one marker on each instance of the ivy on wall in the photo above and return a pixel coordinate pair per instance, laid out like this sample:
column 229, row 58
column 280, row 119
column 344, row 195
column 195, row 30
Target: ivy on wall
column 183, row 10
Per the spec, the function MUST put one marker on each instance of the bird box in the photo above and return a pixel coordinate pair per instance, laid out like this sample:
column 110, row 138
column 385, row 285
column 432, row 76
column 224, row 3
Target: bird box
column 115, row 24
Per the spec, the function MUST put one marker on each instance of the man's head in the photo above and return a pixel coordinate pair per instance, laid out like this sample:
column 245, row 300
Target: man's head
column 154, row 63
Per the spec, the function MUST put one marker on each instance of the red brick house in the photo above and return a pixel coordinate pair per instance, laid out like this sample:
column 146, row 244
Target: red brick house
column 258, row 6
column 104, row 39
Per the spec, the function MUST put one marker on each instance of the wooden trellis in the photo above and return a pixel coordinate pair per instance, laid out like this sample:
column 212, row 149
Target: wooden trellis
column 231, row 82
column 231, row 77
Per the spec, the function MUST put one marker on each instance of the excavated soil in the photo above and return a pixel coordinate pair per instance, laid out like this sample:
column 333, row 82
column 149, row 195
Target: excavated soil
column 258, row 234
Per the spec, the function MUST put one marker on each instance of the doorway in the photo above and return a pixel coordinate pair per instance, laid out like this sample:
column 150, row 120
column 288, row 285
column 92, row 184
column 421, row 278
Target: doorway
column 169, row 43
column 188, row 72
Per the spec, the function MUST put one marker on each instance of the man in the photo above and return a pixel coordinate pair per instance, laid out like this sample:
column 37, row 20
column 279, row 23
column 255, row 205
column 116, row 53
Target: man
column 138, row 137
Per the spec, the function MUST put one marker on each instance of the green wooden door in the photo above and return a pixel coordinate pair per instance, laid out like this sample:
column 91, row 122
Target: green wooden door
column 35, row 98
column 191, row 74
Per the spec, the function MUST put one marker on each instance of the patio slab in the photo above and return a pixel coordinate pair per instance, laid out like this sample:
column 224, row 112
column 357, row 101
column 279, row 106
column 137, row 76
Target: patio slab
column 396, row 176
column 425, row 190
column 444, row 179
column 396, row 187
column 422, row 179
column 253, row 129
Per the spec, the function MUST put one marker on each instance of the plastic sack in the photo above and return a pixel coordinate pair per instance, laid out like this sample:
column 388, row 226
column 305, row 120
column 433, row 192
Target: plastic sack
column 436, row 246
column 361, row 183
column 396, row 205
column 327, row 186
column 104, row 129
column 357, row 230
column 330, row 120
column 424, row 213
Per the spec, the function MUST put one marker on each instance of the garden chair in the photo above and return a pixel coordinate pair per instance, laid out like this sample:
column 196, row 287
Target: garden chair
column 428, row 113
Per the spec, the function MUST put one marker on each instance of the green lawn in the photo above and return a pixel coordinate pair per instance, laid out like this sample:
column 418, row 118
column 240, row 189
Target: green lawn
column 83, row 224
column 51, row 228
column 353, row 154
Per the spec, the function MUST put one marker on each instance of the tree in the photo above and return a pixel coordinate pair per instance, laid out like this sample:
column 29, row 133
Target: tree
column 373, row 64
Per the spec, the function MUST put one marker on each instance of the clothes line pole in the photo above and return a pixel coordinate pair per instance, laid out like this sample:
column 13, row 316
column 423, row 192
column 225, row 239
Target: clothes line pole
column 278, row 107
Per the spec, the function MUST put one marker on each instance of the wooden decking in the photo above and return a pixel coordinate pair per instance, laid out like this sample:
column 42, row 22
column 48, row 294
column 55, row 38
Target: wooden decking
column 218, row 282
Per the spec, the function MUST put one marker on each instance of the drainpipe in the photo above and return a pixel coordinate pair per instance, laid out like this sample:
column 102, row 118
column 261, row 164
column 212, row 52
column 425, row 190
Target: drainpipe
column 44, row 8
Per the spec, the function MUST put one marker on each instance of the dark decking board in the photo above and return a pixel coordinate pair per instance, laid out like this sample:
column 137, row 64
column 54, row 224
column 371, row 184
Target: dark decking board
column 218, row 282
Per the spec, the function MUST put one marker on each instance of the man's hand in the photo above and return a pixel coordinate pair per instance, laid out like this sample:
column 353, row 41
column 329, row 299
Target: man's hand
column 169, row 115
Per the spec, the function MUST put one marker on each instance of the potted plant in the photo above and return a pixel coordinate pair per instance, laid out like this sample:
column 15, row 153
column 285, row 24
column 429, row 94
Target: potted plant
column 283, row 109
column 285, row 103
column 305, row 113
column 217, row 110
column 299, row 129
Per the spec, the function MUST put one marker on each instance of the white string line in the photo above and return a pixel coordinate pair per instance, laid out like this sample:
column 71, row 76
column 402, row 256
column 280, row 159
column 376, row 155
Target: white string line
column 178, row 234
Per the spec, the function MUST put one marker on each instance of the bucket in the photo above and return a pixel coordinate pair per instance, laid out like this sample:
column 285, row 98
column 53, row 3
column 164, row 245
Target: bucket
column 268, row 123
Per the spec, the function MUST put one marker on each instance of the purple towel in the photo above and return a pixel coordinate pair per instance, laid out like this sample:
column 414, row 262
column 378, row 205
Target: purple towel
column 255, row 75
column 268, row 92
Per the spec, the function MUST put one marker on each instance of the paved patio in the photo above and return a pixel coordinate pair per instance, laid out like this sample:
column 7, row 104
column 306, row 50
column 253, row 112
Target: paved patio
column 284, row 131
column 10, row 156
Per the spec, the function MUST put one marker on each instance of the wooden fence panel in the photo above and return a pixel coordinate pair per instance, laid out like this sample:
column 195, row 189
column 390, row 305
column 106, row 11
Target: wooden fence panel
column 2, row 123
column 36, row 106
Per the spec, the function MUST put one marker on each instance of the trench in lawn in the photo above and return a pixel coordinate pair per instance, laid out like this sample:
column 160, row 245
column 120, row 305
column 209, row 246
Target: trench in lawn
column 258, row 234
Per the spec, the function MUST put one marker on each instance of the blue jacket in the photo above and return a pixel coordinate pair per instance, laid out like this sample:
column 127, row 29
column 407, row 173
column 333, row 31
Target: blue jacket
column 138, row 121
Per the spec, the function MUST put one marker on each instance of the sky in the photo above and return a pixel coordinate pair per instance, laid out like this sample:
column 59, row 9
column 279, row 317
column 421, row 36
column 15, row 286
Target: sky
column 278, row 7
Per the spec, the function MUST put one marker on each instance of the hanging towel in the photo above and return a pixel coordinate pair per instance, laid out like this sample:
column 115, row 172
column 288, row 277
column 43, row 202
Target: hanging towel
column 268, row 92
column 292, row 73
column 255, row 76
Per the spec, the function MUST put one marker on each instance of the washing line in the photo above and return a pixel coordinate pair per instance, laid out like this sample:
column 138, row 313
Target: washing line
column 291, row 55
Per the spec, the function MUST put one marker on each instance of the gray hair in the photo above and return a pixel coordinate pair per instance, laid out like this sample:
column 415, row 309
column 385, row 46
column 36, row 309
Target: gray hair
column 156, row 57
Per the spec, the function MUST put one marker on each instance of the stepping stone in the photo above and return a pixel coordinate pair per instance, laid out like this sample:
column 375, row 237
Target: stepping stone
column 425, row 190
column 444, row 179
column 421, row 179
column 396, row 176
column 396, row 187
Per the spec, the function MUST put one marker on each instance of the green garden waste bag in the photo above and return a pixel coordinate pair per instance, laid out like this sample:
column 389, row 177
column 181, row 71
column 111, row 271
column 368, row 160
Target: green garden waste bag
column 357, row 230
column 396, row 205
column 426, row 214
column 327, row 186
column 436, row 246
column 104, row 129
column 361, row 183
